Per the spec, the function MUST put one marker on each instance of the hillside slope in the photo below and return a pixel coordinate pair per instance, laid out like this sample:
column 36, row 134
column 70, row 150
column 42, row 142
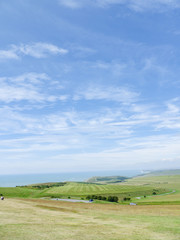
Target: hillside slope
column 107, row 179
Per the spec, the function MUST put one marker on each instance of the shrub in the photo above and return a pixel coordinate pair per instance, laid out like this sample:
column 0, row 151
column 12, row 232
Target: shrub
column 126, row 199
column 88, row 197
column 113, row 199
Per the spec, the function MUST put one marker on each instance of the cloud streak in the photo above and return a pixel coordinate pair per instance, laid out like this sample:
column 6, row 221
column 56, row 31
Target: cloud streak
column 29, row 87
column 35, row 50
column 107, row 93
column 135, row 5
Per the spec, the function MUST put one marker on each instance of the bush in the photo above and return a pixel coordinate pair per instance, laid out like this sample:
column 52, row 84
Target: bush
column 126, row 199
column 113, row 199
column 99, row 197
column 88, row 197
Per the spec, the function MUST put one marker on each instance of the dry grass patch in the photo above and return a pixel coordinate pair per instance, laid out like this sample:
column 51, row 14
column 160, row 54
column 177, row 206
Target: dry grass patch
column 47, row 219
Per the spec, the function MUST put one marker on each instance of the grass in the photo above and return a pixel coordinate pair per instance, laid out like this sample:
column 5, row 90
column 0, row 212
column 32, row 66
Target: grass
column 171, row 182
column 81, row 190
column 44, row 219
column 164, row 172
column 137, row 187
column 19, row 192
column 24, row 216
column 78, row 189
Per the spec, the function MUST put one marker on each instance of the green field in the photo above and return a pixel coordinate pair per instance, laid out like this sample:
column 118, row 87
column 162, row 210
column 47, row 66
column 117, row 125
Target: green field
column 73, row 189
column 25, row 215
column 166, row 188
column 171, row 182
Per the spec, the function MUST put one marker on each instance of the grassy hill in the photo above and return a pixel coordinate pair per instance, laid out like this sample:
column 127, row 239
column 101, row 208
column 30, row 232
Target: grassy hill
column 156, row 189
column 106, row 180
column 82, row 190
column 164, row 172
column 171, row 182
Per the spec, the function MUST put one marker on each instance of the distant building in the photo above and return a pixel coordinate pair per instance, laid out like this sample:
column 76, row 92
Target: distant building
column 133, row 204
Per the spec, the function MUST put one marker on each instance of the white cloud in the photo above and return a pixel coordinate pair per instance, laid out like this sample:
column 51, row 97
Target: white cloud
column 136, row 152
column 40, row 50
column 72, row 151
column 136, row 5
column 116, row 68
column 8, row 54
column 170, row 117
column 140, row 5
column 20, row 88
column 72, row 3
column 36, row 50
column 12, row 93
column 31, row 87
column 87, row 139
column 107, row 93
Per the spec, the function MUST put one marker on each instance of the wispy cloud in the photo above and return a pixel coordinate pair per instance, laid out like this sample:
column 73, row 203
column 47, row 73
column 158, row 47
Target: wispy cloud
column 136, row 5
column 29, row 87
column 8, row 54
column 78, row 135
column 36, row 50
column 107, row 93
column 158, row 5
column 72, row 3
column 40, row 50
column 170, row 118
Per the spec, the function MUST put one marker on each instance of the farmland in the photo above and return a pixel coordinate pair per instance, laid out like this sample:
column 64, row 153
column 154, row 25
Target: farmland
column 142, row 189
column 74, row 189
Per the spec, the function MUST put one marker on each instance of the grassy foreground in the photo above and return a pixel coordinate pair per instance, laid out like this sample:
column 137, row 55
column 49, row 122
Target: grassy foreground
column 27, row 219
column 24, row 216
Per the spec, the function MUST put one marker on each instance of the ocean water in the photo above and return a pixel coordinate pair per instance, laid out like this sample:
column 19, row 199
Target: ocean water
column 25, row 179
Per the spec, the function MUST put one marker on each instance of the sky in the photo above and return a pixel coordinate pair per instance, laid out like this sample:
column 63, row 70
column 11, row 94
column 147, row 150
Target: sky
column 89, row 85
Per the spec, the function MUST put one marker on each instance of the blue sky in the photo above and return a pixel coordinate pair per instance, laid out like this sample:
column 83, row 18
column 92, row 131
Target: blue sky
column 89, row 85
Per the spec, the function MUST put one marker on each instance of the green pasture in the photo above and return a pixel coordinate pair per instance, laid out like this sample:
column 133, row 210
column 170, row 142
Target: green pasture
column 72, row 189
column 171, row 182
column 80, row 189
column 19, row 192
column 166, row 188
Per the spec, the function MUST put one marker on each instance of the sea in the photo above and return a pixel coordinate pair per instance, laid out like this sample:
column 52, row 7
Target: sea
column 25, row 179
